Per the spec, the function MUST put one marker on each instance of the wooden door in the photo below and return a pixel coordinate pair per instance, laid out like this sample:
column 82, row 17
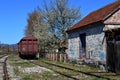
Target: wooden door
column 111, row 56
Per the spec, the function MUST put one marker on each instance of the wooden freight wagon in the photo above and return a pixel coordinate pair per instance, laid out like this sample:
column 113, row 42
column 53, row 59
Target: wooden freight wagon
column 28, row 47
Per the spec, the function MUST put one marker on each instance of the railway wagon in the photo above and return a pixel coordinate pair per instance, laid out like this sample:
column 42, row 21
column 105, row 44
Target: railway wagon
column 28, row 47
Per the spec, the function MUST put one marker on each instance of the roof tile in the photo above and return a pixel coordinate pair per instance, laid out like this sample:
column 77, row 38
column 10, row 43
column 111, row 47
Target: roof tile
column 96, row 16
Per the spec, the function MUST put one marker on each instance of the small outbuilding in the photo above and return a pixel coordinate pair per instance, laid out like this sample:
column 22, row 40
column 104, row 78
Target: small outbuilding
column 97, row 37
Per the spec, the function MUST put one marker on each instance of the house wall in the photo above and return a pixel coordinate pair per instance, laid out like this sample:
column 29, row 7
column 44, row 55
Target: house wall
column 115, row 18
column 73, row 46
column 95, row 43
column 113, row 21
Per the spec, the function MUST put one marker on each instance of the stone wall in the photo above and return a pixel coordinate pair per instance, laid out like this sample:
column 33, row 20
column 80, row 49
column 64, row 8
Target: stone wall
column 73, row 46
column 95, row 43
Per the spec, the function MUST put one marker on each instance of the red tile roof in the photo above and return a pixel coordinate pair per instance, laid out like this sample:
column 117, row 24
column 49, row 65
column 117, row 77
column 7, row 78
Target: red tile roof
column 96, row 16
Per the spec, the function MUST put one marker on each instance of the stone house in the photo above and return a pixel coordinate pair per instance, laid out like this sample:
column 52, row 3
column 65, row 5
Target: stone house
column 88, row 38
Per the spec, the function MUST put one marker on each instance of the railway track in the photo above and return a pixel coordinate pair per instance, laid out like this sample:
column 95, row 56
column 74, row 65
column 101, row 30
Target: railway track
column 51, row 66
column 62, row 74
column 3, row 67
column 86, row 73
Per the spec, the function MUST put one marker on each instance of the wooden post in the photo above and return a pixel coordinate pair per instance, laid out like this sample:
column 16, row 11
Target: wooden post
column 50, row 55
column 65, row 58
column 56, row 57
column 47, row 55
column 60, row 57
column 53, row 57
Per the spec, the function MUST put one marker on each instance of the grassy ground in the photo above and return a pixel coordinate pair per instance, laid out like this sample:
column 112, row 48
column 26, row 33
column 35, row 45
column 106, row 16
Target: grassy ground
column 72, row 66
column 17, row 62
column 87, row 69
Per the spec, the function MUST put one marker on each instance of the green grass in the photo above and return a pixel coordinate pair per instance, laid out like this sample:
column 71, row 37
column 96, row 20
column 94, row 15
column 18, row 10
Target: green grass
column 73, row 65
column 27, row 77
column 16, row 71
column 84, row 68
column 16, row 62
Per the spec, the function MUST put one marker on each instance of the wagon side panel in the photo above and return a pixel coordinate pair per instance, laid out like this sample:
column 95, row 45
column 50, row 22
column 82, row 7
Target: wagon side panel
column 30, row 47
column 35, row 46
column 24, row 47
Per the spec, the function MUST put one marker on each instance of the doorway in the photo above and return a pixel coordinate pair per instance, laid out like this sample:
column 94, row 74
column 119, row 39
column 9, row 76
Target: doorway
column 113, row 51
column 82, row 45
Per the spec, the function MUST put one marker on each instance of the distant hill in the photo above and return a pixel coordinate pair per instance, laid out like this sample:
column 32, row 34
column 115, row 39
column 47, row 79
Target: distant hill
column 6, row 46
column 13, row 46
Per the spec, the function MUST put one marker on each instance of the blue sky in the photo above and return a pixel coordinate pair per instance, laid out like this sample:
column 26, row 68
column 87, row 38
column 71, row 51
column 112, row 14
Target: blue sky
column 14, row 14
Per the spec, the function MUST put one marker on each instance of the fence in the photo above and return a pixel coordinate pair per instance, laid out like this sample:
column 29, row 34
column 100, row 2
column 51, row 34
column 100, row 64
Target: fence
column 57, row 57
